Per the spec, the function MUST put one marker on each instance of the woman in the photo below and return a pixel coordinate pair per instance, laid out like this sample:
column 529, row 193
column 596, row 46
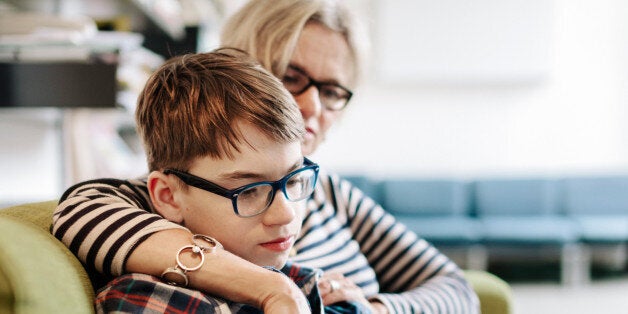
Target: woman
column 313, row 47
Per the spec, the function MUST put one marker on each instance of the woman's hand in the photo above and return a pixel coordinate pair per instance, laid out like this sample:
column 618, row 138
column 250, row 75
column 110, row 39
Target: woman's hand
column 335, row 288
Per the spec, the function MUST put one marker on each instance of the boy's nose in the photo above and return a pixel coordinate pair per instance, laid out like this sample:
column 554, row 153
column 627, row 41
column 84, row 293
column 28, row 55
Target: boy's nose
column 281, row 211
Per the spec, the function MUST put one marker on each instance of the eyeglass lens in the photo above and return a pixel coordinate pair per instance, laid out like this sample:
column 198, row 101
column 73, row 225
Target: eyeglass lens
column 257, row 198
column 332, row 96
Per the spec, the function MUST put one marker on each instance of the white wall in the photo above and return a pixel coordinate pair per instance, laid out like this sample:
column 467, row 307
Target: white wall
column 573, row 121
column 30, row 155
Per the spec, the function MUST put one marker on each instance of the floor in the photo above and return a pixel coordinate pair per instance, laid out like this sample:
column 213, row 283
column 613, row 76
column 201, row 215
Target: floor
column 536, row 287
column 604, row 295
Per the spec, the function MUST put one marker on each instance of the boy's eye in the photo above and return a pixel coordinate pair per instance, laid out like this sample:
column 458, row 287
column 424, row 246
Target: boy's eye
column 250, row 192
column 294, row 181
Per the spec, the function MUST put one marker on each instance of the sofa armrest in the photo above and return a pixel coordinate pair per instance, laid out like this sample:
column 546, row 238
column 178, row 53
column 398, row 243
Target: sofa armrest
column 38, row 273
column 39, row 214
column 494, row 293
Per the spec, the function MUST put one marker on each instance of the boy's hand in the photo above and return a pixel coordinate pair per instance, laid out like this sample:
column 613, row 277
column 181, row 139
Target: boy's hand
column 287, row 298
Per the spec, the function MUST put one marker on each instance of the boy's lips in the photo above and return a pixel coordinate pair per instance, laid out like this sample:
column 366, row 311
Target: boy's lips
column 279, row 244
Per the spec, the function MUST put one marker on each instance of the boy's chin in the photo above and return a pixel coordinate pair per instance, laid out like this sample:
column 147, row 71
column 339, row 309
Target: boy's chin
column 278, row 263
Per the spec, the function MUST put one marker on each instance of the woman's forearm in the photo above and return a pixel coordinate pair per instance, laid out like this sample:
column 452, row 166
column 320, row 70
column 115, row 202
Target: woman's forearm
column 223, row 274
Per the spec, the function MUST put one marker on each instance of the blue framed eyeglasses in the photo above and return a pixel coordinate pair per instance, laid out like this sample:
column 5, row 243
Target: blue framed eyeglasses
column 255, row 198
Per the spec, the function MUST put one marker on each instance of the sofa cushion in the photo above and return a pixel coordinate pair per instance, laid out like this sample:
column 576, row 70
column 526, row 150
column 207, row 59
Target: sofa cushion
column 450, row 230
column 516, row 197
column 39, row 274
column 425, row 197
column 596, row 195
column 530, row 230
column 603, row 228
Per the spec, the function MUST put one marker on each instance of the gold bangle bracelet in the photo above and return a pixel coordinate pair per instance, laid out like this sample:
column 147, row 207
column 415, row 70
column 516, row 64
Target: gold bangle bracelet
column 176, row 275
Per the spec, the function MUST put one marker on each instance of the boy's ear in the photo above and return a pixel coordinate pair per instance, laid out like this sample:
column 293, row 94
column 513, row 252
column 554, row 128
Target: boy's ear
column 162, row 189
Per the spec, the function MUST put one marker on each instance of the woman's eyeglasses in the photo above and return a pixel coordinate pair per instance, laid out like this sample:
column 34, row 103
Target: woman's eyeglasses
column 332, row 95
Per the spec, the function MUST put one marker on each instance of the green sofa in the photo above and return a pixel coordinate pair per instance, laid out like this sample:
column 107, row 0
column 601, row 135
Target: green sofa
column 38, row 274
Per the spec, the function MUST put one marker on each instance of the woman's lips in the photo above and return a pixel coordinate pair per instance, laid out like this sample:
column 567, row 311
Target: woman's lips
column 310, row 135
column 279, row 244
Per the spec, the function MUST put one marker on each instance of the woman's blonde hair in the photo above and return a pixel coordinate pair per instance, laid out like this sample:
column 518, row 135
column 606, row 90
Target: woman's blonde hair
column 269, row 30
column 191, row 105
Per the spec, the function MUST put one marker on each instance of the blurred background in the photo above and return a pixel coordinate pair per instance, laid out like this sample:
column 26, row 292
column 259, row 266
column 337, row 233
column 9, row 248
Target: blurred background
column 453, row 89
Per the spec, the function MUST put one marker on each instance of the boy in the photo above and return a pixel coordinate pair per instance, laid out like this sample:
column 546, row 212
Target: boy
column 218, row 129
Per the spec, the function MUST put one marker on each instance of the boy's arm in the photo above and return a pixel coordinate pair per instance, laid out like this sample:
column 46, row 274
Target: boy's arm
column 223, row 274
column 139, row 293
column 108, row 225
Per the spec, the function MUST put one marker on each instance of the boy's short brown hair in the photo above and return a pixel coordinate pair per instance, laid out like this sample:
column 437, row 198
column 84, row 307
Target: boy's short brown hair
column 189, row 108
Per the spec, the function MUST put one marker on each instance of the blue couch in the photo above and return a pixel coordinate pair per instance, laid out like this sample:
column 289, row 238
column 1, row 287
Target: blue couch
column 513, row 218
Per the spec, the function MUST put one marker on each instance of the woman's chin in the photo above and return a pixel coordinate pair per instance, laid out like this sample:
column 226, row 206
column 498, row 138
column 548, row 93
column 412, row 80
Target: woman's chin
column 308, row 148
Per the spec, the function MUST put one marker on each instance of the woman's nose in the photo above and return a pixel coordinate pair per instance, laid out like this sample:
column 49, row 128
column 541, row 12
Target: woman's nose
column 281, row 211
column 309, row 103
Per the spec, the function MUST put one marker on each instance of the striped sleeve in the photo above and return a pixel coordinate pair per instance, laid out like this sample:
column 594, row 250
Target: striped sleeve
column 102, row 221
column 414, row 276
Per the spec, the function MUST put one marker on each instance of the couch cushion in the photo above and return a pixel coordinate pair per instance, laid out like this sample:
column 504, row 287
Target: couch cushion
column 554, row 230
column 451, row 230
column 425, row 197
column 596, row 195
column 39, row 274
column 603, row 228
column 516, row 197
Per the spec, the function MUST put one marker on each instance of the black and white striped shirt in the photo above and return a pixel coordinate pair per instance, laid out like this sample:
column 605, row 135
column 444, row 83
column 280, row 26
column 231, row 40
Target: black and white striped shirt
column 101, row 221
